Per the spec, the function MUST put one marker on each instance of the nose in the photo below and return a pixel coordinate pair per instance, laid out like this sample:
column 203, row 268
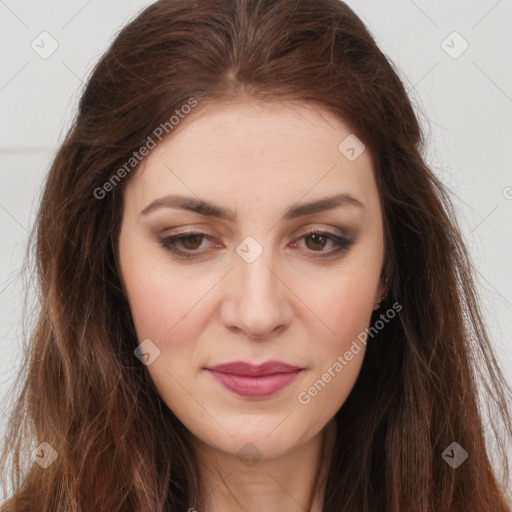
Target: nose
column 257, row 299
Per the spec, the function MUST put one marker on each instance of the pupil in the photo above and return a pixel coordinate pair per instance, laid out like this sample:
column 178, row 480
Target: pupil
column 190, row 239
column 319, row 239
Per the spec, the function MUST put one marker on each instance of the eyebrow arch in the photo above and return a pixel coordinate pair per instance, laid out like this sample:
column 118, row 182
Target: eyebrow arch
column 209, row 209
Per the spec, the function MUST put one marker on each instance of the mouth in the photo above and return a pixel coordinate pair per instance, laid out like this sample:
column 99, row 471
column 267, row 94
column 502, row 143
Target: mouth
column 251, row 381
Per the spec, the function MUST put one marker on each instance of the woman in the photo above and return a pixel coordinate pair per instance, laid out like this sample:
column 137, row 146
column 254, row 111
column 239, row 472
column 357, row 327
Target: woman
column 254, row 294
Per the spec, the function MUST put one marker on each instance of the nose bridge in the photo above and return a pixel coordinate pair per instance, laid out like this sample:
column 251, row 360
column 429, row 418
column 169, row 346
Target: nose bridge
column 254, row 261
column 257, row 281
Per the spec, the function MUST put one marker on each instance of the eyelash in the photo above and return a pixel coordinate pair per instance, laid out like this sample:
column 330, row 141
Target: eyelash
column 342, row 243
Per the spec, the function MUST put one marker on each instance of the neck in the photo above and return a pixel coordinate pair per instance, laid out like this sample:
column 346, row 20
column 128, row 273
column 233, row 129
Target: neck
column 293, row 482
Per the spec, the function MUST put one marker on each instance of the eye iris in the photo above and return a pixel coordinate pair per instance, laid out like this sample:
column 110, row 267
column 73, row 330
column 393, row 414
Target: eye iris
column 185, row 240
column 321, row 239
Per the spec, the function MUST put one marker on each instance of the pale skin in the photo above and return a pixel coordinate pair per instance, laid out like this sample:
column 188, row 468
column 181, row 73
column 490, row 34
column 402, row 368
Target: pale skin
column 289, row 304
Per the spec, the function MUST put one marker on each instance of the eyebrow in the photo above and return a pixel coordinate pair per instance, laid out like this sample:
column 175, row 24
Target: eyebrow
column 212, row 210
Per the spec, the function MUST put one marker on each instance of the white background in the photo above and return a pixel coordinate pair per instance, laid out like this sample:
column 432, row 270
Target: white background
column 465, row 105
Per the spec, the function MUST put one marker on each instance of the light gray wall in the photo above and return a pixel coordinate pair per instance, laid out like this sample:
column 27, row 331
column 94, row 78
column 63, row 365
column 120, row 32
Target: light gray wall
column 466, row 98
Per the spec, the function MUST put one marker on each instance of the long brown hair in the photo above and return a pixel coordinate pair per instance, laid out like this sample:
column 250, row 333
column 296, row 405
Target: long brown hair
column 428, row 379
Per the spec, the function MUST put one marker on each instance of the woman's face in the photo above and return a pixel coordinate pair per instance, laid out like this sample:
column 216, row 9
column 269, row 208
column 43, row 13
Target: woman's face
column 252, row 284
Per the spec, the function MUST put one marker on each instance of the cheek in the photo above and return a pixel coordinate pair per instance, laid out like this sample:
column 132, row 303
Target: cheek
column 167, row 319
column 339, row 347
column 157, row 310
column 344, row 310
column 338, row 353
column 170, row 320
column 173, row 323
column 159, row 297
column 164, row 308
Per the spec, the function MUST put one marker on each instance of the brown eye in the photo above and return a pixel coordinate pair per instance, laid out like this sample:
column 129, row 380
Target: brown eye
column 315, row 242
column 318, row 241
column 186, row 245
column 192, row 242
column 189, row 242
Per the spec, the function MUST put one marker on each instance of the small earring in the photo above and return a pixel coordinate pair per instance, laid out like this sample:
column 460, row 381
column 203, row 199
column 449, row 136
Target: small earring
column 383, row 297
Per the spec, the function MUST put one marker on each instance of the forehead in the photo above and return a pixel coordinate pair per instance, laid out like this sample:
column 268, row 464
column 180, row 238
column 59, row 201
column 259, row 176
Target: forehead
column 249, row 147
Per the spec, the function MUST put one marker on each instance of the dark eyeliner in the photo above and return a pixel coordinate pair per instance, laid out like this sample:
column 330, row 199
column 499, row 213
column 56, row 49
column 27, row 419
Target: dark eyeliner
column 343, row 244
column 183, row 254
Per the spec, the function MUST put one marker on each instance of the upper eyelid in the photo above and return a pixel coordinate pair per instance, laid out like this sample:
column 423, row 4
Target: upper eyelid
column 297, row 233
column 301, row 234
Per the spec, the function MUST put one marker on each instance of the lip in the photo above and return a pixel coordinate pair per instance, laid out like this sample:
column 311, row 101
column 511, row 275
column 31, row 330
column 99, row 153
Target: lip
column 255, row 381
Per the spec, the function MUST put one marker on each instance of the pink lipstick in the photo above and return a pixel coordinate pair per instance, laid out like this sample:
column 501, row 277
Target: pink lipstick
column 252, row 381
